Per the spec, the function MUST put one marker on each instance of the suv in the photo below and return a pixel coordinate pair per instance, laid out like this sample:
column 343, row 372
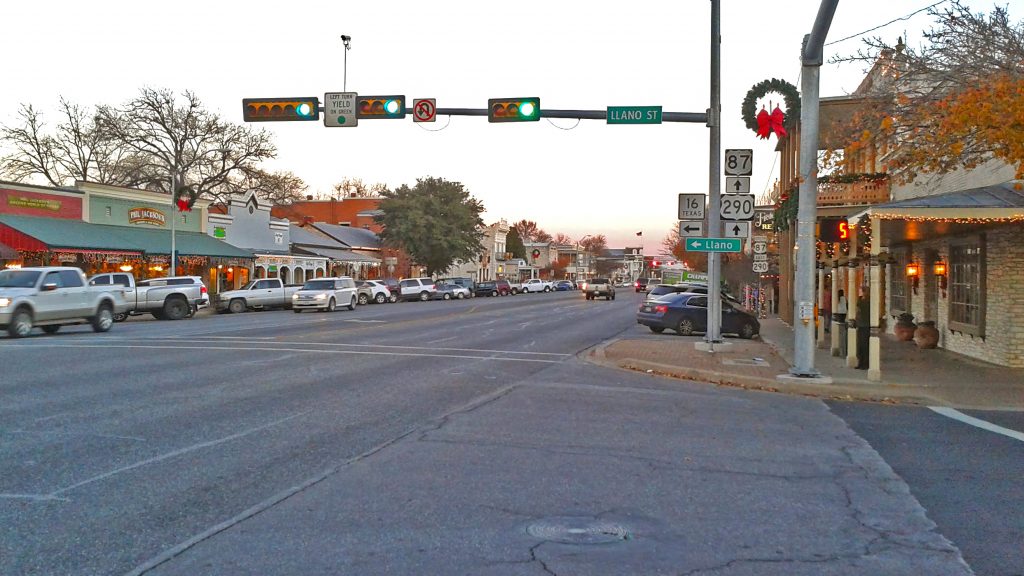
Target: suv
column 421, row 289
column 600, row 287
column 493, row 288
column 326, row 294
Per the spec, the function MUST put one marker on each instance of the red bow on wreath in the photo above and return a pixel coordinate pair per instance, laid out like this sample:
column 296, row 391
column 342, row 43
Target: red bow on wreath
column 768, row 123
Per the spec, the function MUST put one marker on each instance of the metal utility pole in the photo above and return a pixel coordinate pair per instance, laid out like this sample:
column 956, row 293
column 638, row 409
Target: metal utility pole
column 803, row 325
column 714, row 330
column 174, row 216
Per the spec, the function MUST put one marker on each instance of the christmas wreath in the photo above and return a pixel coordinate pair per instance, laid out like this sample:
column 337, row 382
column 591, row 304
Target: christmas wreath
column 185, row 197
column 777, row 121
column 535, row 253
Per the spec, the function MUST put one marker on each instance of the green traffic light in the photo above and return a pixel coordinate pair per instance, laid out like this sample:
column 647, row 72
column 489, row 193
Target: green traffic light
column 527, row 109
column 391, row 106
column 304, row 109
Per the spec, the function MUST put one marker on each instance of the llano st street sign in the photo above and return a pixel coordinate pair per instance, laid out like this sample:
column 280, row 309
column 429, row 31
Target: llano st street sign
column 634, row 115
column 714, row 244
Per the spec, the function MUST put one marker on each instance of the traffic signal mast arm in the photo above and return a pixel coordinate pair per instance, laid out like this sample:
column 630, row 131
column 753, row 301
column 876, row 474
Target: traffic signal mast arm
column 694, row 117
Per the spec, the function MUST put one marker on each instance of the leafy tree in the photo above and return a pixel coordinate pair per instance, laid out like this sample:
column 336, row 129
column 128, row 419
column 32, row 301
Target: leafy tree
column 595, row 244
column 957, row 101
column 437, row 222
column 530, row 232
column 514, row 244
column 167, row 136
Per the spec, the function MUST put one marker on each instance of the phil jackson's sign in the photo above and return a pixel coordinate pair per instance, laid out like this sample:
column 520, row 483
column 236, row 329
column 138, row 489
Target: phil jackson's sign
column 146, row 216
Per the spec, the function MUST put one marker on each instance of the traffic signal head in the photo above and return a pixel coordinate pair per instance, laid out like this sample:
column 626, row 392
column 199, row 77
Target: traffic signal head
column 370, row 107
column 280, row 109
column 834, row 230
column 513, row 109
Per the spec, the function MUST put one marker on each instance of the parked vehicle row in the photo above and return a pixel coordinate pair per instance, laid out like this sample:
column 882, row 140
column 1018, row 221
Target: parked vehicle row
column 171, row 298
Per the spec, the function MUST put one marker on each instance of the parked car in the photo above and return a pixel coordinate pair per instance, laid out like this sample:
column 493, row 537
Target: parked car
column 641, row 284
column 326, row 294
column 170, row 298
column 564, row 285
column 696, row 287
column 373, row 291
column 393, row 287
column 514, row 286
column 451, row 292
column 597, row 287
column 687, row 313
column 421, row 289
column 464, row 281
column 264, row 293
column 492, row 288
column 537, row 285
column 54, row 296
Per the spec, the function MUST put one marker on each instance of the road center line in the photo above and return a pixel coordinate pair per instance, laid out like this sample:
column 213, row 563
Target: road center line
column 977, row 422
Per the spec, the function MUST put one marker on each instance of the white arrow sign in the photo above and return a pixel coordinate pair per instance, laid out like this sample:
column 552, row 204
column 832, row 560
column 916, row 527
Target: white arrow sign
column 691, row 228
column 735, row 229
column 737, row 184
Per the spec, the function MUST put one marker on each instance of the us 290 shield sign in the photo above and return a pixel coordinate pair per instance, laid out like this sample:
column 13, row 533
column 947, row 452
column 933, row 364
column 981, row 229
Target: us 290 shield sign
column 737, row 207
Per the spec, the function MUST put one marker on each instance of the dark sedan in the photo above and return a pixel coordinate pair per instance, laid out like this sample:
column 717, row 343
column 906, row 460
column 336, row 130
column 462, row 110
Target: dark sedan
column 687, row 313
column 492, row 288
column 563, row 285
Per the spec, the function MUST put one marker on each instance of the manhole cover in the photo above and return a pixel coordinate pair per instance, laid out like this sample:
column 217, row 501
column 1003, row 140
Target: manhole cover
column 578, row 530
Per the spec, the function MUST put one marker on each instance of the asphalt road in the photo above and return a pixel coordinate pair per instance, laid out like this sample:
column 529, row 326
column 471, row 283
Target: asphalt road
column 465, row 437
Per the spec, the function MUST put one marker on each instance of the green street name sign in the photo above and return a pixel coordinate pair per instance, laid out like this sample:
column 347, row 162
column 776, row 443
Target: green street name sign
column 634, row 115
column 714, row 244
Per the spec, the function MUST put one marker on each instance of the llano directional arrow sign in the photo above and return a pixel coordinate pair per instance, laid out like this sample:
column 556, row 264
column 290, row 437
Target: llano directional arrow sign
column 714, row 245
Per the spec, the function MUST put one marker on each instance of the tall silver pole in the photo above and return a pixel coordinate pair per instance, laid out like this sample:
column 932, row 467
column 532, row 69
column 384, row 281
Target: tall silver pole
column 174, row 217
column 807, row 209
column 714, row 330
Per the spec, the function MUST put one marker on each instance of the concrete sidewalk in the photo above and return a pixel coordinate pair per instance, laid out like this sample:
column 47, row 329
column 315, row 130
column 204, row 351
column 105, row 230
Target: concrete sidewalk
column 909, row 375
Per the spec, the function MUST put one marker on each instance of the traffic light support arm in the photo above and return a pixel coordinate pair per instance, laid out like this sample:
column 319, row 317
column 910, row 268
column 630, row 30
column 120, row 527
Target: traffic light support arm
column 694, row 117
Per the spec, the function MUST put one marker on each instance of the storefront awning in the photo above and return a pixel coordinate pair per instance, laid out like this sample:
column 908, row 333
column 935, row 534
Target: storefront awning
column 8, row 253
column 338, row 255
column 77, row 236
column 1001, row 202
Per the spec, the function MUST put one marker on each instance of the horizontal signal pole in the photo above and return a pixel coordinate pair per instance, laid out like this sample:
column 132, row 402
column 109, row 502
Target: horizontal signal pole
column 694, row 117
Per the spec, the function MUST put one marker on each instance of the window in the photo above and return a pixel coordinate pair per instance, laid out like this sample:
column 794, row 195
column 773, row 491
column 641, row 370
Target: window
column 121, row 280
column 109, row 211
column 967, row 286
column 53, row 278
column 100, row 281
column 900, row 284
column 71, row 279
column 698, row 301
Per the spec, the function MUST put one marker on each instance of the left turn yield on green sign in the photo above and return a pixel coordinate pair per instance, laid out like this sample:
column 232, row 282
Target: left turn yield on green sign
column 340, row 109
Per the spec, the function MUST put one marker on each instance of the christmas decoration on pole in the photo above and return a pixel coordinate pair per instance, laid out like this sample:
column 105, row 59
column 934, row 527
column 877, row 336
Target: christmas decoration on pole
column 777, row 121
column 185, row 197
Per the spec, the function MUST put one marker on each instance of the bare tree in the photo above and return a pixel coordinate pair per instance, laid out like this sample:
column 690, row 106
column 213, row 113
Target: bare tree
column 356, row 188
column 277, row 187
column 953, row 102
column 563, row 239
column 596, row 244
column 77, row 149
column 181, row 139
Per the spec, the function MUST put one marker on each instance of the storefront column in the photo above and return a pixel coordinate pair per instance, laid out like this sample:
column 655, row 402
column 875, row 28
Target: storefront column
column 821, row 306
column 851, row 305
column 875, row 343
column 836, row 325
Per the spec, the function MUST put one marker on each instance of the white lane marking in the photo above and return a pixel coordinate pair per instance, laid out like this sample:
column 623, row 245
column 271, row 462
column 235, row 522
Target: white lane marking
column 342, row 344
column 177, row 452
column 62, row 433
column 984, row 425
column 34, row 497
column 303, row 350
column 357, row 320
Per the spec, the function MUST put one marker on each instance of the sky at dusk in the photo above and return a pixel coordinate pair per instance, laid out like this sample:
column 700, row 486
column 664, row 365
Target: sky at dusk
column 574, row 178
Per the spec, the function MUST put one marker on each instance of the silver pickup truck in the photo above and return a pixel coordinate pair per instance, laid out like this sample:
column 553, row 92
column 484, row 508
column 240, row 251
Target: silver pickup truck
column 262, row 294
column 51, row 297
column 165, row 298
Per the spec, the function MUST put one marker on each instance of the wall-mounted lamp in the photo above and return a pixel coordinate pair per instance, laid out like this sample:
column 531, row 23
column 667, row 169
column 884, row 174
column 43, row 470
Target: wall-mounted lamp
column 125, row 267
column 914, row 273
column 939, row 268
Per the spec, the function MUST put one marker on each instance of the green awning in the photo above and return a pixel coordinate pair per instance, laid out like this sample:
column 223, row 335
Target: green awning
column 60, row 233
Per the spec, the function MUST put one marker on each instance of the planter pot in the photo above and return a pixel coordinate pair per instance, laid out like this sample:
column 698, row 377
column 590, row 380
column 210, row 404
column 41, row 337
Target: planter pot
column 904, row 332
column 926, row 335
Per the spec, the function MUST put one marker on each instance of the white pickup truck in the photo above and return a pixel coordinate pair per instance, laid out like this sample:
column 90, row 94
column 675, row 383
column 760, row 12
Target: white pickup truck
column 51, row 297
column 165, row 298
column 264, row 293
column 538, row 285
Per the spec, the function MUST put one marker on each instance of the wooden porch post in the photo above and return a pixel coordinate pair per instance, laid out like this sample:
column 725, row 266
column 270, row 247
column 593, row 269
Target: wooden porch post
column 875, row 343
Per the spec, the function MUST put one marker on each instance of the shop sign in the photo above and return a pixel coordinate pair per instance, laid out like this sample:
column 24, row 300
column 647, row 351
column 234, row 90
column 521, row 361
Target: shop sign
column 220, row 232
column 142, row 215
column 273, row 269
column 38, row 203
column 66, row 257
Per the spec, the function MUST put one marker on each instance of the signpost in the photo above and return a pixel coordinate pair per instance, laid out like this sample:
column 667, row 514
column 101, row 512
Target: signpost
column 736, row 230
column 714, row 245
column 340, row 109
column 691, row 206
column 633, row 115
column 424, row 109
column 737, row 207
column 737, row 185
column 739, row 162
column 691, row 228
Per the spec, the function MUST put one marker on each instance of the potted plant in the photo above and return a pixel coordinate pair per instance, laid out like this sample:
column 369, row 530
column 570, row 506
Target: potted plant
column 905, row 327
column 926, row 335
